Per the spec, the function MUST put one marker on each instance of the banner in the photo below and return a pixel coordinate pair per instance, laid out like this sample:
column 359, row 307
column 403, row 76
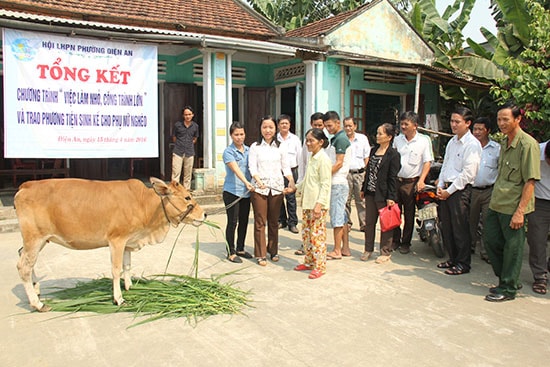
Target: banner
column 67, row 97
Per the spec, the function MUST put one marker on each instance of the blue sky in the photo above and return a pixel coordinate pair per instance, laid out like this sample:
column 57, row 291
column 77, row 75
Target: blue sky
column 480, row 17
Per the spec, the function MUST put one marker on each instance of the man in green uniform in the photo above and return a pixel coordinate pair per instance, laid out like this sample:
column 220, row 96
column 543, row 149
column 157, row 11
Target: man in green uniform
column 511, row 201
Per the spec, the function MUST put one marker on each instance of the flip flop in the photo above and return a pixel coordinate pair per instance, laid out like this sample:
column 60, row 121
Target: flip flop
column 346, row 255
column 334, row 257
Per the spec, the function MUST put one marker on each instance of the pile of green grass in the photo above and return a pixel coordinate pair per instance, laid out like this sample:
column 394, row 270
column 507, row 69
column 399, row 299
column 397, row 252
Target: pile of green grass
column 166, row 296
column 162, row 296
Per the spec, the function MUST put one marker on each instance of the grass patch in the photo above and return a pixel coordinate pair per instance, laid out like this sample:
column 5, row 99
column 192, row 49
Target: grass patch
column 157, row 297
column 163, row 296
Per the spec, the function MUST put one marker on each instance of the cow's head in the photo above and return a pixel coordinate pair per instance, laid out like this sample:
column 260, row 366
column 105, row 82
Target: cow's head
column 178, row 204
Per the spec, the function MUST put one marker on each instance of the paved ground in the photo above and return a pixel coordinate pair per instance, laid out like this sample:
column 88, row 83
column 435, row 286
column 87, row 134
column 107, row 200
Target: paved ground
column 404, row 313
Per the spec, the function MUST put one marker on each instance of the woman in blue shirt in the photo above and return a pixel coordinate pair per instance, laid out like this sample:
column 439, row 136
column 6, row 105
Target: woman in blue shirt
column 236, row 191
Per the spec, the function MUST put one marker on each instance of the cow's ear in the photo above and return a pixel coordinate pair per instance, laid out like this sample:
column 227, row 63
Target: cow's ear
column 160, row 186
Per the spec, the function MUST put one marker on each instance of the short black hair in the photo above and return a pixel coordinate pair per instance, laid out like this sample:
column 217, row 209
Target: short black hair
column 316, row 116
column 409, row 115
column 516, row 111
column 331, row 115
column 485, row 121
column 465, row 112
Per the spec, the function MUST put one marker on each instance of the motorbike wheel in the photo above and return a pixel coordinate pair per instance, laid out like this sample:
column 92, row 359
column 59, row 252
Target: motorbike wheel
column 436, row 242
column 422, row 234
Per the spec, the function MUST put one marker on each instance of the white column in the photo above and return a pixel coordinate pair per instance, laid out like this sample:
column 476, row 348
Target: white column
column 208, row 121
column 310, row 89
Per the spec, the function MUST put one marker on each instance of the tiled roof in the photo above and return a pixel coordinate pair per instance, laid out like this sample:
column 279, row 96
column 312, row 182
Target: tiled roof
column 217, row 17
column 323, row 26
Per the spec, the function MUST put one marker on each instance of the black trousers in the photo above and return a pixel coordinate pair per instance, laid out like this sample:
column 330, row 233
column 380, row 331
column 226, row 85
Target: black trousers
column 454, row 214
column 288, row 212
column 236, row 215
column 406, row 198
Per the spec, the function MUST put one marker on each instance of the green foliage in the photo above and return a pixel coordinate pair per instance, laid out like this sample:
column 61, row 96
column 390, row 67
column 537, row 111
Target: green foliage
column 292, row 14
column 528, row 75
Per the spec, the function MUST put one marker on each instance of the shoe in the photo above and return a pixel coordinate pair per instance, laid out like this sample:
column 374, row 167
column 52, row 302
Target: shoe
column 244, row 254
column 303, row 267
column 486, row 259
column 275, row 258
column 366, row 255
column 261, row 261
column 498, row 297
column 404, row 249
column 293, row 229
column 362, row 229
column 282, row 225
column 234, row 259
column 299, row 252
column 315, row 274
column 382, row 259
column 494, row 290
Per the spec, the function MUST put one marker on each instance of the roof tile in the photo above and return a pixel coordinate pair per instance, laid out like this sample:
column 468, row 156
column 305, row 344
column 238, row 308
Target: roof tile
column 217, row 17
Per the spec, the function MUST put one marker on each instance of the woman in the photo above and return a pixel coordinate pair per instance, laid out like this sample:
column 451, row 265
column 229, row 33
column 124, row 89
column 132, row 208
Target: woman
column 315, row 189
column 268, row 163
column 379, row 190
column 236, row 192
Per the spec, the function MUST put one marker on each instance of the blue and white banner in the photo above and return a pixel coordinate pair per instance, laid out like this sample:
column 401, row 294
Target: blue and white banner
column 68, row 97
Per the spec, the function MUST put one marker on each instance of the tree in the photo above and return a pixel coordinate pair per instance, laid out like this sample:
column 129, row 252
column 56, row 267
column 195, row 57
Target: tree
column 292, row 14
column 528, row 75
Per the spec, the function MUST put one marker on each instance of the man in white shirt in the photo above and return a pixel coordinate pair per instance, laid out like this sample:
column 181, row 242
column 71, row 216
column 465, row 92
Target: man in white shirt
column 539, row 224
column 454, row 187
column 293, row 147
column 482, row 187
column 416, row 154
column 360, row 153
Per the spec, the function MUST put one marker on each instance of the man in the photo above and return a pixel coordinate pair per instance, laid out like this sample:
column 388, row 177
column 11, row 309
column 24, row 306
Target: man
column 360, row 152
column 454, row 187
column 511, row 200
column 539, row 224
column 416, row 154
column 185, row 136
column 339, row 152
column 483, row 184
column 293, row 147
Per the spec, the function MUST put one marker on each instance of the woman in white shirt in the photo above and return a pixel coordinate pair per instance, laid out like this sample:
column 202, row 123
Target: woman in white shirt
column 267, row 163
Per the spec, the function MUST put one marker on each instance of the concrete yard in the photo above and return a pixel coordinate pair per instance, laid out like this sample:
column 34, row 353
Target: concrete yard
column 404, row 313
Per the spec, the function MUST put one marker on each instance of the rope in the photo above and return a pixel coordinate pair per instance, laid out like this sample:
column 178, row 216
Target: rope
column 233, row 203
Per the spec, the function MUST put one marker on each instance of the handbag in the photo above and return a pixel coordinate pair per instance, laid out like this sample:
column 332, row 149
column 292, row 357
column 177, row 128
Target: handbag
column 390, row 217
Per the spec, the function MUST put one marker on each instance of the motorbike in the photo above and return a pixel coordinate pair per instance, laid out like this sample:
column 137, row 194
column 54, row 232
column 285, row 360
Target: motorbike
column 428, row 221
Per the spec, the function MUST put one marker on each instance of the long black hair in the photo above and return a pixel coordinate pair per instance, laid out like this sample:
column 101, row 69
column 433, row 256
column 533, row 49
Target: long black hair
column 260, row 137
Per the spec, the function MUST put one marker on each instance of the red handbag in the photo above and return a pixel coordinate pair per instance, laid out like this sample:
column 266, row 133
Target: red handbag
column 390, row 217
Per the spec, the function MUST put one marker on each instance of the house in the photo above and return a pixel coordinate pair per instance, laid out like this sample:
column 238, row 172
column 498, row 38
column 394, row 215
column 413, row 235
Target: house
column 232, row 64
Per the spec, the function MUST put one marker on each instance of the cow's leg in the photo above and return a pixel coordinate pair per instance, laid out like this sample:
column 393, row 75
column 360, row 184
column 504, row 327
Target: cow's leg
column 127, row 265
column 25, row 266
column 117, row 253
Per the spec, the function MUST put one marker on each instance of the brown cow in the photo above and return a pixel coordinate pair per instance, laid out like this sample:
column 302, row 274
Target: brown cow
column 83, row 214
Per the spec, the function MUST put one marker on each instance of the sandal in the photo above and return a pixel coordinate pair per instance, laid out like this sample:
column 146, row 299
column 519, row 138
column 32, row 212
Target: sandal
column 315, row 274
column 539, row 286
column 366, row 255
column 303, row 267
column 275, row 258
column 244, row 254
column 262, row 261
column 234, row 259
column 299, row 252
column 457, row 270
column 445, row 265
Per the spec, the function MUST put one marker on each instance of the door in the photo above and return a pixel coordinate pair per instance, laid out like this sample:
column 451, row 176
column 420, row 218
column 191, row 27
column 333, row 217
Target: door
column 256, row 107
column 176, row 96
